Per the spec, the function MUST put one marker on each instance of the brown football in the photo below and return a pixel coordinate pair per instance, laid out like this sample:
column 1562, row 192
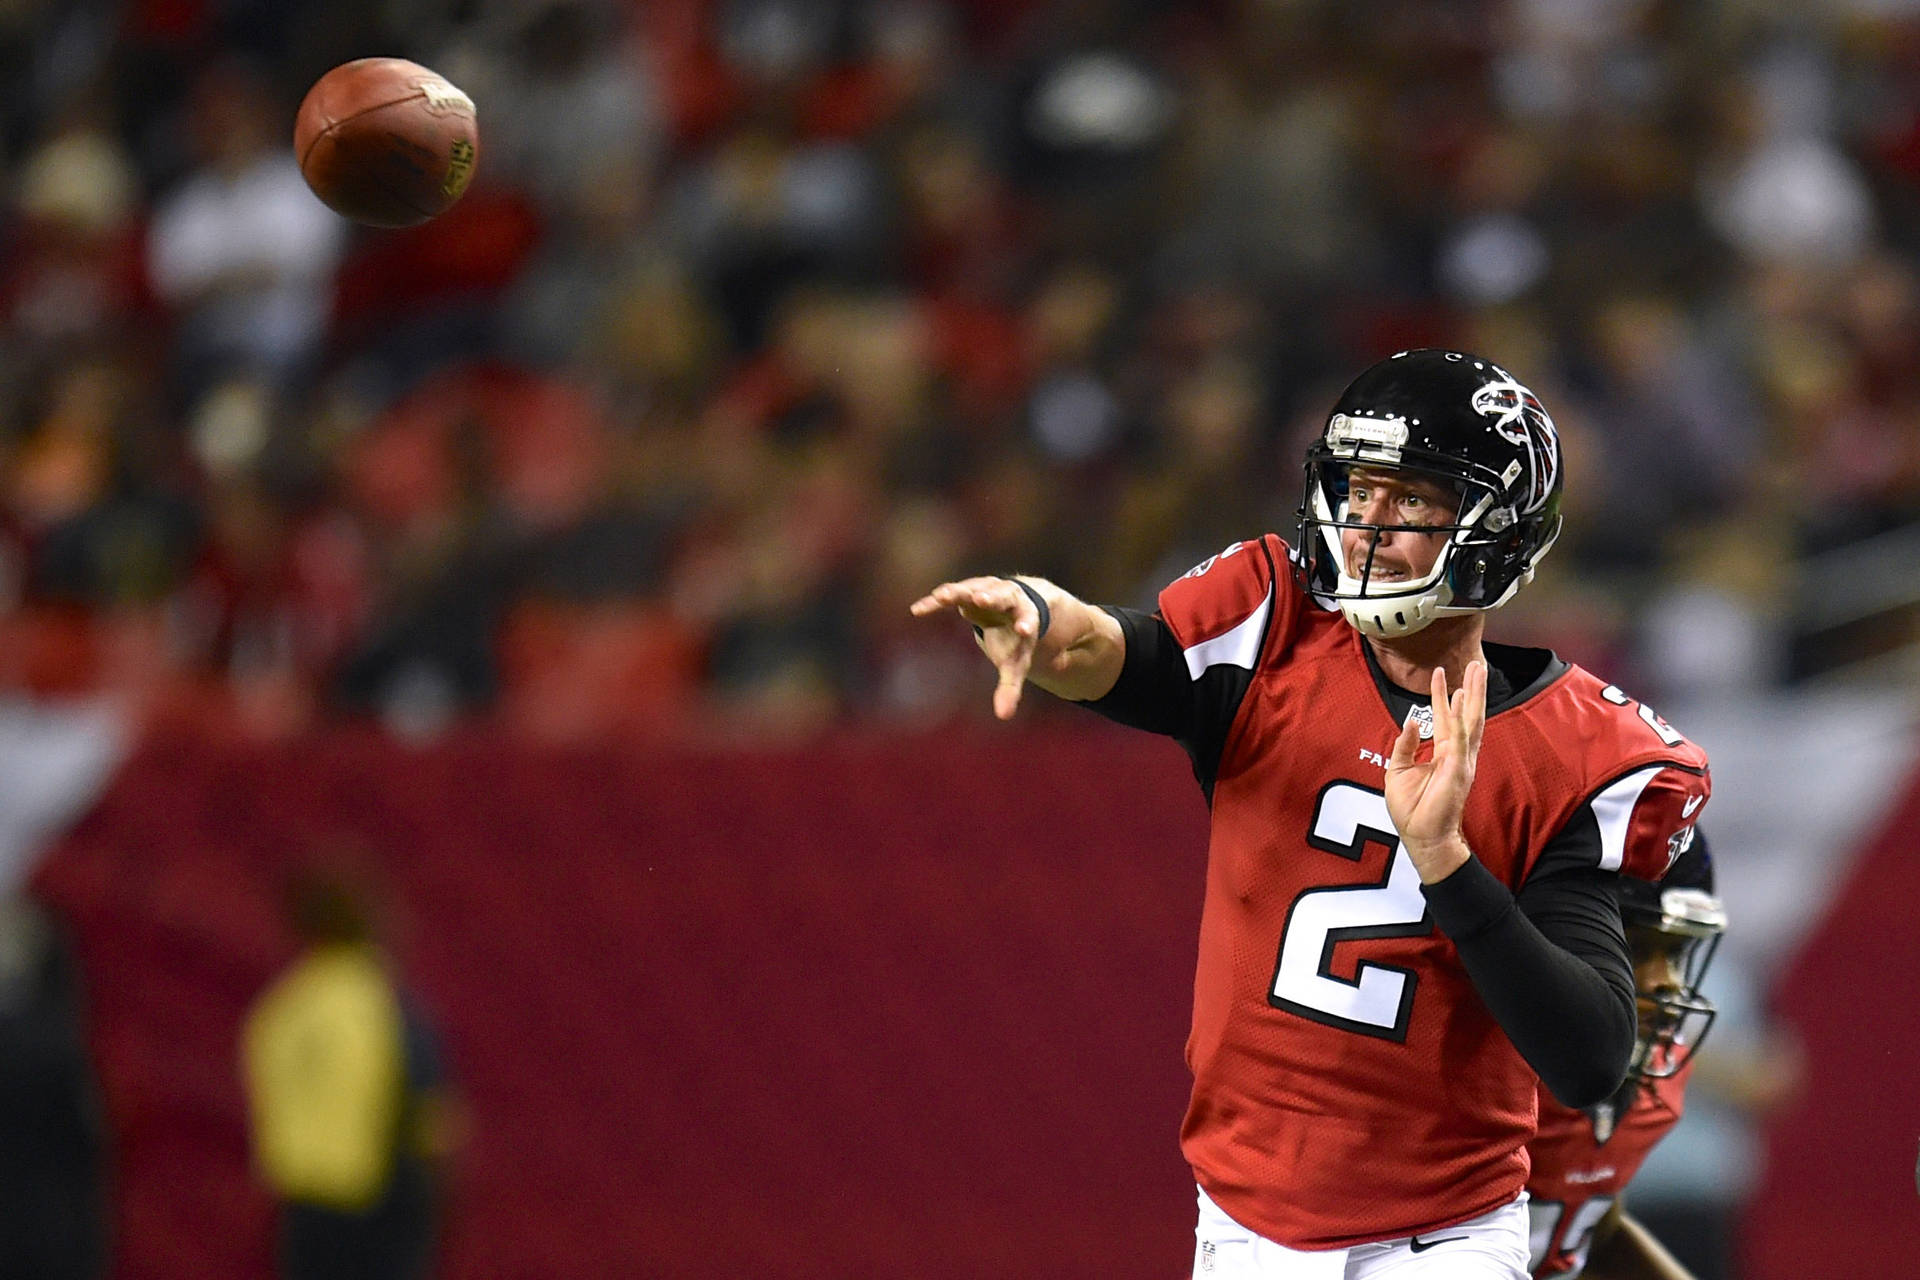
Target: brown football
column 386, row 142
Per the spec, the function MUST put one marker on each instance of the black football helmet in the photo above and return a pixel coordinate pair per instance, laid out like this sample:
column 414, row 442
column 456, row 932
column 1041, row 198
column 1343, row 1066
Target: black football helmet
column 1681, row 918
column 1467, row 423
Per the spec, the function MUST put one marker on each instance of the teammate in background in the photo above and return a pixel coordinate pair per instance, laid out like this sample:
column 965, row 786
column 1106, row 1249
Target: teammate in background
column 1583, row 1160
column 1395, row 939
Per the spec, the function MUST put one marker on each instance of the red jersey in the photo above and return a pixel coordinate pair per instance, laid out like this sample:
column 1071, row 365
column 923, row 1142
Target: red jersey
column 1582, row 1161
column 1349, row 1083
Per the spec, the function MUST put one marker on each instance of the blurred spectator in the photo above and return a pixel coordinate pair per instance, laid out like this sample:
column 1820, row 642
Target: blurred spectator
column 91, row 493
column 820, row 286
column 1273, row 149
column 53, row 1212
column 350, row 1114
column 240, row 248
column 1782, row 191
column 1678, row 443
column 575, row 74
column 1188, row 506
column 76, row 272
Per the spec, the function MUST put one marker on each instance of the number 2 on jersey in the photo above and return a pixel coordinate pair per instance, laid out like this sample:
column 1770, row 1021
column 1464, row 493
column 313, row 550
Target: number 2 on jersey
column 1666, row 732
column 1378, row 1000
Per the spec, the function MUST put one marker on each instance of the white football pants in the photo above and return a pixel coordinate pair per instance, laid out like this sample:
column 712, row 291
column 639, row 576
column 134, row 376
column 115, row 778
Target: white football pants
column 1490, row 1247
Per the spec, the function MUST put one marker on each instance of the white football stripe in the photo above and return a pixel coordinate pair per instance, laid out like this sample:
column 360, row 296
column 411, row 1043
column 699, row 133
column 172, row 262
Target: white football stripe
column 1613, row 808
column 1239, row 647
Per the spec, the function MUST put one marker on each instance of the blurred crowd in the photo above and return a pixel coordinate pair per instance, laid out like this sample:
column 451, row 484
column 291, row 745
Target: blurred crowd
column 764, row 315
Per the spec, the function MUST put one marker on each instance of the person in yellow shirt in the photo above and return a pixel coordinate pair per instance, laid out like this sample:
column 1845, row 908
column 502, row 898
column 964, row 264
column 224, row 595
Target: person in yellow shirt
column 347, row 1110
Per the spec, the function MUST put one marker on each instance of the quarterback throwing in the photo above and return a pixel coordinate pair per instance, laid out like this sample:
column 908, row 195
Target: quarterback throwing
column 1410, row 918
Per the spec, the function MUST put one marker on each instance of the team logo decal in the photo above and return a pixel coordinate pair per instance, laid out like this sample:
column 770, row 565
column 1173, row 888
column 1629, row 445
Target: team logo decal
column 1680, row 841
column 1521, row 419
column 1605, row 1116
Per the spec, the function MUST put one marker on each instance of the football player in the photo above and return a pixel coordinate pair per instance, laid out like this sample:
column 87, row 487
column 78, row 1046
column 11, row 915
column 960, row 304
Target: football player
column 1583, row 1160
column 1409, row 909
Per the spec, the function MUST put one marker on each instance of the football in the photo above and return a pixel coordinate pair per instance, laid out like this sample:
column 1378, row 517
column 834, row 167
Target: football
column 386, row 142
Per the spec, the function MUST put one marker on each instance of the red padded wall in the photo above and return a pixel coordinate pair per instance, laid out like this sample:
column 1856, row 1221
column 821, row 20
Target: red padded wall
column 1838, row 1197
column 872, row 1007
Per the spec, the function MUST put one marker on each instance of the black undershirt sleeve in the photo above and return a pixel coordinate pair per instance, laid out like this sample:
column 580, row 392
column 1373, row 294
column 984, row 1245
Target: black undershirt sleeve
column 1552, row 966
column 1154, row 691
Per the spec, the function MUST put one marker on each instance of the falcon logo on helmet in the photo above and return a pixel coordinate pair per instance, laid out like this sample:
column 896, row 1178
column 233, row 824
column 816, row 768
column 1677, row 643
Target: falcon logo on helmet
column 1520, row 418
column 1461, row 422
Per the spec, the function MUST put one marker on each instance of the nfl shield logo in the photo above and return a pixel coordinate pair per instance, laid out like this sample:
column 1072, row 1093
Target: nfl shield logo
column 1206, row 1255
column 1603, row 1121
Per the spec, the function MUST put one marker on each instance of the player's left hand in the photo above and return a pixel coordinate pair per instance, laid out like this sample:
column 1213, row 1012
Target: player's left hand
column 1426, row 798
column 1006, row 625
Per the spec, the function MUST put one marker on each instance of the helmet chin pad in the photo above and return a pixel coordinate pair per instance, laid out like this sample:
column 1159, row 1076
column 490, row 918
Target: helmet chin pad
column 1387, row 617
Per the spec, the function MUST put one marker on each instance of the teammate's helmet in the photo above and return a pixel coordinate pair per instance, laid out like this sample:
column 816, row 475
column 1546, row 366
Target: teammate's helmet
column 1467, row 423
column 1682, row 918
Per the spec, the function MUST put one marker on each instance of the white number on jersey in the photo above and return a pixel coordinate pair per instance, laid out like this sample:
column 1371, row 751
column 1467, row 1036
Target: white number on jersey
column 1668, row 734
column 1379, row 998
column 1543, row 1219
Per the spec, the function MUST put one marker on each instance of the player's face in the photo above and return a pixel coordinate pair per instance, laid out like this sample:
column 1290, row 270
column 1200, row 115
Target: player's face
column 1381, row 497
column 1659, row 967
column 1673, row 1017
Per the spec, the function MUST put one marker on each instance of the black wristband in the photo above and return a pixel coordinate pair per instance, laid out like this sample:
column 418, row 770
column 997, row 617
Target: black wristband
column 1040, row 606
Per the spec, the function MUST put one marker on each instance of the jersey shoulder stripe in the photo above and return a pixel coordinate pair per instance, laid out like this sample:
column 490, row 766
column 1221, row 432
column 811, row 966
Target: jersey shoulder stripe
column 1236, row 647
column 1222, row 610
column 1613, row 810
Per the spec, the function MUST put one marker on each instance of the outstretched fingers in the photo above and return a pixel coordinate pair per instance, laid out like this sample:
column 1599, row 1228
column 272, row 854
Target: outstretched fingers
column 1006, row 626
column 984, row 602
column 1013, row 679
column 1442, row 706
column 1474, row 704
column 948, row 595
column 1405, row 746
column 1460, row 716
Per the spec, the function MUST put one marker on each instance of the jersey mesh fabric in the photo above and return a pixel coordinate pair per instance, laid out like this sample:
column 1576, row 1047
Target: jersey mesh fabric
column 1575, row 1174
column 1318, row 1131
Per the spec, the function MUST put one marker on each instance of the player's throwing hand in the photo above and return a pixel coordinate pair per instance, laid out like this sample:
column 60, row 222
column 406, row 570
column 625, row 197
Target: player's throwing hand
column 1006, row 625
column 1426, row 798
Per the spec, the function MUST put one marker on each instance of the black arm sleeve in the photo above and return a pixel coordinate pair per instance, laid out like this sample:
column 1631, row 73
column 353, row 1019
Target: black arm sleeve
column 1552, row 966
column 1156, row 692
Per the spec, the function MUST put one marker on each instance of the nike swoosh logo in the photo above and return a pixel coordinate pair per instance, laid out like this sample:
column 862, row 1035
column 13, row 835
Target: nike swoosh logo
column 1686, row 810
column 1421, row 1246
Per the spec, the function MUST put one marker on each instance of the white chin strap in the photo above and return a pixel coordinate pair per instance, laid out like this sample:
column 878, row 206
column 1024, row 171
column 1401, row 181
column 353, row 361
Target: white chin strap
column 1384, row 617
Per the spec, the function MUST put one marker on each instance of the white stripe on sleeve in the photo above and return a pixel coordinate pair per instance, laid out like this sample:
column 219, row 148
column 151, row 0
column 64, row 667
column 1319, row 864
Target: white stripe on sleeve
column 1239, row 647
column 1613, row 810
